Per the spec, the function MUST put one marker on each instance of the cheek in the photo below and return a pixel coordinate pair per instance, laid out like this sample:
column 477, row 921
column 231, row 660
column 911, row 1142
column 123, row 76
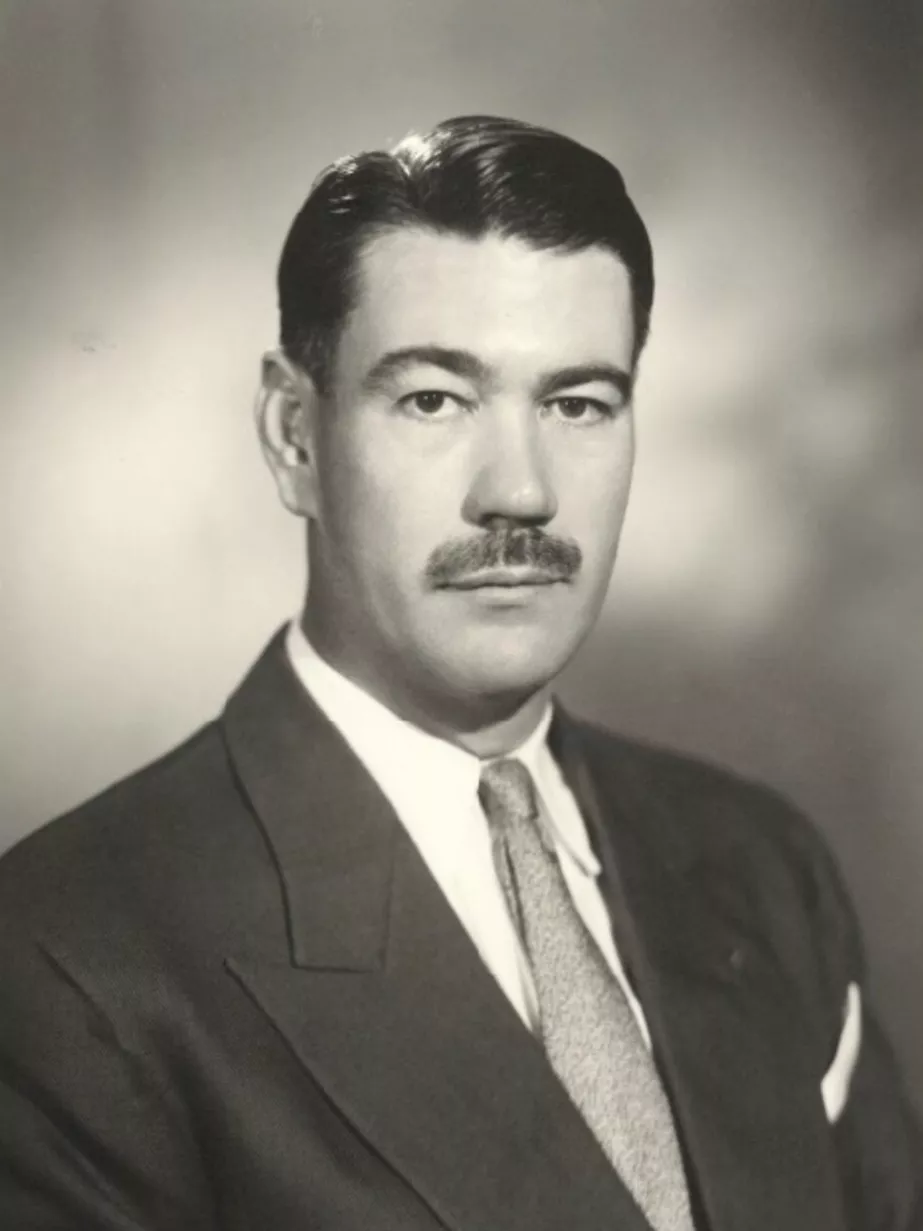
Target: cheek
column 593, row 495
column 383, row 515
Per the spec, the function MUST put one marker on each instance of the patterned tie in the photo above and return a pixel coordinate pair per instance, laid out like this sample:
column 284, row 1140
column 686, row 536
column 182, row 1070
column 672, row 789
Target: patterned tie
column 590, row 1034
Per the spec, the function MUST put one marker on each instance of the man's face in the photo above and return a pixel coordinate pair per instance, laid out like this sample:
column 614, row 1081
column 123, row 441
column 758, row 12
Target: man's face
column 472, row 465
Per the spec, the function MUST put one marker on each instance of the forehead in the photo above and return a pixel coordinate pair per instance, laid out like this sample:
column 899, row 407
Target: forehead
column 498, row 297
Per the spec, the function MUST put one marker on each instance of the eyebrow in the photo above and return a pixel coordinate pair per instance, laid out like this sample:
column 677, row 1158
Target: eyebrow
column 468, row 366
column 459, row 362
column 585, row 374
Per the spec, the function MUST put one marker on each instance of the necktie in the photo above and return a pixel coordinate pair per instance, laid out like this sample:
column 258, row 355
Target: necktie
column 588, row 1029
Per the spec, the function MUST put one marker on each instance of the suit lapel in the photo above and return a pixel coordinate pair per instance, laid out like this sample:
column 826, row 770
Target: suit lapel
column 723, row 1019
column 385, row 1000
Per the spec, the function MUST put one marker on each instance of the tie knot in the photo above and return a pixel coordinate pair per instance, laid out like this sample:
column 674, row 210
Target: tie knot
column 507, row 793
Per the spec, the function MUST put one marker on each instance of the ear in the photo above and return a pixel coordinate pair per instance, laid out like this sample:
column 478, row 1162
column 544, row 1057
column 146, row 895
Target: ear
column 286, row 413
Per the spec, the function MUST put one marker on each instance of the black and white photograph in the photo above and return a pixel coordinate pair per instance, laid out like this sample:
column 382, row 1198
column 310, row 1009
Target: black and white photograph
column 461, row 759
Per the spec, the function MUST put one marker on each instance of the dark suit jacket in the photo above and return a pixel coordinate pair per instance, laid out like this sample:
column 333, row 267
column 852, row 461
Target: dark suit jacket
column 233, row 996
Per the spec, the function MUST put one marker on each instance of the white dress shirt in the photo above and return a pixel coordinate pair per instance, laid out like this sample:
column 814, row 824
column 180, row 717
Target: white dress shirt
column 432, row 786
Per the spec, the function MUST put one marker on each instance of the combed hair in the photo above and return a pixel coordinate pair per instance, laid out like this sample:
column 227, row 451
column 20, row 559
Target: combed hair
column 469, row 176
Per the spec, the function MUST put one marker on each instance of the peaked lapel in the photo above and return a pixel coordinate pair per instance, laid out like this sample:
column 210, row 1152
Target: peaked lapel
column 723, row 1020
column 385, row 1000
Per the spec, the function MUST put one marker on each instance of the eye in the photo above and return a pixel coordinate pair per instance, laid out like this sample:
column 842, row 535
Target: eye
column 582, row 410
column 431, row 403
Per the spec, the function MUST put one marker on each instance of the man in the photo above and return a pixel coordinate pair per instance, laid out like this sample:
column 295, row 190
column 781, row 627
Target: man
column 396, row 942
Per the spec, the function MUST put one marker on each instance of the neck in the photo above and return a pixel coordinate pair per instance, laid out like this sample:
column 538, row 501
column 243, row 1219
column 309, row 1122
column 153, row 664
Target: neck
column 485, row 726
column 501, row 736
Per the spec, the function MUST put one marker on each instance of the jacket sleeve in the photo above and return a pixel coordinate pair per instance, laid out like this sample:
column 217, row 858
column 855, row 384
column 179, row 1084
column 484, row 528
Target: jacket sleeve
column 877, row 1136
column 86, row 1140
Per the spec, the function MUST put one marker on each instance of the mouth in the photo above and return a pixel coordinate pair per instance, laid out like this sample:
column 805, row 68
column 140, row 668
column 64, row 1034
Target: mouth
column 506, row 579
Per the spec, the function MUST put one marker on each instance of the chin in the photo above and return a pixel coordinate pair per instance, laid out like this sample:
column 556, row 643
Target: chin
column 511, row 671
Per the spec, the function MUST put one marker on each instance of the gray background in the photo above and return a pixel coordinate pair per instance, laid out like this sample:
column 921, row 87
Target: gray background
column 767, row 605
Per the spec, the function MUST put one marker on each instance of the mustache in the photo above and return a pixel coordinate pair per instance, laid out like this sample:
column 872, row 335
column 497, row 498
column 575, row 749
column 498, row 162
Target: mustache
column 519, row 547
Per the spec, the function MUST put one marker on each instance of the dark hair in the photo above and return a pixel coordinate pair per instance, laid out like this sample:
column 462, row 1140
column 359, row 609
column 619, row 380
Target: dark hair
column 469, row 176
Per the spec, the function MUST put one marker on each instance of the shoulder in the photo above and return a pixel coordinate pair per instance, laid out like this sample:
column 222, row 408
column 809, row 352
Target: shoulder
column 747, row 847
column 705, row 809
column 147, row 855
column 150, row 807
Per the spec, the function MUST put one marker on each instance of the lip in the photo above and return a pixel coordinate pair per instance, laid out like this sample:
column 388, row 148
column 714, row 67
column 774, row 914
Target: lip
column 506, row 579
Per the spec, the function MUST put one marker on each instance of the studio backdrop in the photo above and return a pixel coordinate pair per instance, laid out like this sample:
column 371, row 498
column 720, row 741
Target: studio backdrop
column 768, row 602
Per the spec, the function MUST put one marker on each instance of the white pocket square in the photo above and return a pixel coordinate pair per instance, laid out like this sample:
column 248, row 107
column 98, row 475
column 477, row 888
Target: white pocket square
column 835, row 1086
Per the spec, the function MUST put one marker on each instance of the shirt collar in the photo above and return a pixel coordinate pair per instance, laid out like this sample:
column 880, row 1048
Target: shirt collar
column 387, row 744
column 560, row 812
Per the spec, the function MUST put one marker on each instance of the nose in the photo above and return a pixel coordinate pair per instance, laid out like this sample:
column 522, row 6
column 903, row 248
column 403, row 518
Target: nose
column 512, row 480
